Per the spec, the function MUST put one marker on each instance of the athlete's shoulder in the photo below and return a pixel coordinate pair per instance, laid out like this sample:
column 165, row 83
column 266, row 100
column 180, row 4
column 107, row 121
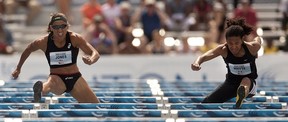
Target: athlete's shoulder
column 253, row 47
column 74, row 35
column 221, row 46
column 222, row 49
column 42, row 39
column 39, row 43
column 76, row 39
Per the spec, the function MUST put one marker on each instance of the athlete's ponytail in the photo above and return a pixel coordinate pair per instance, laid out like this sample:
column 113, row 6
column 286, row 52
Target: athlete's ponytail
column 237, row 27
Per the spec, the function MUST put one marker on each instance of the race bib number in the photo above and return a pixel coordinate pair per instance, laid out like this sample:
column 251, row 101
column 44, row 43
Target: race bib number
column 60, row 58
column 240, row 69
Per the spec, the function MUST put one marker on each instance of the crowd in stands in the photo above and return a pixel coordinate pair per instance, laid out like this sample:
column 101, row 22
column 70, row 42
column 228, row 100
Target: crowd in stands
column 118, row 27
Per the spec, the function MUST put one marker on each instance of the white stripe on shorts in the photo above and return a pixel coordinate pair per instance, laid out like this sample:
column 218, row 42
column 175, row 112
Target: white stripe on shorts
column 254, row 89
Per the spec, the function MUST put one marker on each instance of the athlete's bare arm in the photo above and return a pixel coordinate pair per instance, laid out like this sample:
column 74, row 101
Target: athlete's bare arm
column 254, row 45
column 33, row 46
column 91, row 54
column 211, row 54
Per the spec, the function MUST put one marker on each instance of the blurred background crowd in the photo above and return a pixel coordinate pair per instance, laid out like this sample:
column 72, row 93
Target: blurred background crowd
column 145, row 26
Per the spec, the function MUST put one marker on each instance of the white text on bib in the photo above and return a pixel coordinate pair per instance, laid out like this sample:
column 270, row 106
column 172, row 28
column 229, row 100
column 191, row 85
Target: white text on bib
column 240, row 69
column 60, row 58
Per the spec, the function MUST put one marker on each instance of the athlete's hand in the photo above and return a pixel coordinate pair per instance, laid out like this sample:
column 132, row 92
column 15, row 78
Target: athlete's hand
column 87, row 60
column 195, row 67
column 15, row 74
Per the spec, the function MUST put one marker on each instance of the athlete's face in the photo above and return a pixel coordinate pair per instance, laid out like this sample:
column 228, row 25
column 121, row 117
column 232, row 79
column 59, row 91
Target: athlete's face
column 59, row 29
column 234, row 44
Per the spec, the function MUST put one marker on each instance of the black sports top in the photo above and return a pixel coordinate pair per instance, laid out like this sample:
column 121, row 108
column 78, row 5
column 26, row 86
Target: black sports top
column 61, row 57
column 239, row 67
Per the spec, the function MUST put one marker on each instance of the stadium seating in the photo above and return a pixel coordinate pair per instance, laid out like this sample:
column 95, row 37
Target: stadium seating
column 267, row 12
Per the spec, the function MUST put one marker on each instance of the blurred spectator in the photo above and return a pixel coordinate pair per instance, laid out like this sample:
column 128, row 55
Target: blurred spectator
column 2, row 7
column 157, row 46
column 270, row 47
column 123, row 22
column 185, row 45
column 202, row 9
column 138, row 11
column 219, row 17
column 151, row 18
column 111, row 11
column 213, row 30
column 235, row 3
column 249, row 14
column 127, row 46
column 6, row 39
column 208, row 44
column 64, row 6
column 179, row 11
column 32, row 7
column 284, row 11
column 89, row 10
column 101, row 37
column 120, row 1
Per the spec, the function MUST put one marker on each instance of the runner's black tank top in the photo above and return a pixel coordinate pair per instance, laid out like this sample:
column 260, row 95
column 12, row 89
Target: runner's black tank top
column 240, row 67
column 61, row 57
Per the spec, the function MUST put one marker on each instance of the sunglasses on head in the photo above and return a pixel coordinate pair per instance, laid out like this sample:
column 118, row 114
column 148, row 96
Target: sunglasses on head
column 57, row 27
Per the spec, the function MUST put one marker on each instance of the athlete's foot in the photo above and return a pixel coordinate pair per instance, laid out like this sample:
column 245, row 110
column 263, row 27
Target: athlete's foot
column 37, row 88
column 240, row 96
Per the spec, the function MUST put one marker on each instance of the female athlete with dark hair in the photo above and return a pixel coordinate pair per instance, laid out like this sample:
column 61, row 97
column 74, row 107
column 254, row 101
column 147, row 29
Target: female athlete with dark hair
column 61, row 49
column 239, row 56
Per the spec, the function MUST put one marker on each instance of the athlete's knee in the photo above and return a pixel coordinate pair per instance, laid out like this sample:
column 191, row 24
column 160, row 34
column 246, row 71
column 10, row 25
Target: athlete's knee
column 55, row 85
column 46, row 88
column 246, row 81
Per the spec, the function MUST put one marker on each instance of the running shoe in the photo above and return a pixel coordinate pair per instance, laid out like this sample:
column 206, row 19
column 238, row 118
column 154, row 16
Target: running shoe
column 37, row 88
column 240, row 96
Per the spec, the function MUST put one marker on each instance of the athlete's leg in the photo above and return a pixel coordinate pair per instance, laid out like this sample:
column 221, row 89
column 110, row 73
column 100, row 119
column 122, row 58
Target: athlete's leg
column 243, row 91
column 223, row 93
column 83, row 93
column 54, row 84
column 246, row 82
column 37, row 89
